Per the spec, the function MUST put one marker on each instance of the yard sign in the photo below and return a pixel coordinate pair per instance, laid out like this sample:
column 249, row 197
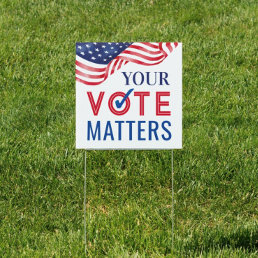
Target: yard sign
column 128, row 95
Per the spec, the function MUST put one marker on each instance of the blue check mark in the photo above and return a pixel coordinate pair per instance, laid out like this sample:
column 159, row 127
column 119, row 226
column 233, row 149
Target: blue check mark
column 119, row 104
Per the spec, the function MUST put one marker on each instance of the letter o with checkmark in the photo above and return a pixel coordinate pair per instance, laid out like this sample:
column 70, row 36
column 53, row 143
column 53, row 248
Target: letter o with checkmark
column 119, row 103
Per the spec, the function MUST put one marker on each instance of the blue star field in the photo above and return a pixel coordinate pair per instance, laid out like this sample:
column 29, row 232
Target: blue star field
column 100, row 52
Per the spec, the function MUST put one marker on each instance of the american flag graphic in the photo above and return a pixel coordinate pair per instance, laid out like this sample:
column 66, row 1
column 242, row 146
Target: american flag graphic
column 96, row 61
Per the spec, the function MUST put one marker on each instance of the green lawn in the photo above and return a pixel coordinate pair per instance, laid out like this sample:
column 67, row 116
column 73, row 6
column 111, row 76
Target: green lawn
column 128, row 192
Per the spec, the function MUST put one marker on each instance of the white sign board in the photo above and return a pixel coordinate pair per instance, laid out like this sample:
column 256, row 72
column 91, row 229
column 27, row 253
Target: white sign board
column 128, row 95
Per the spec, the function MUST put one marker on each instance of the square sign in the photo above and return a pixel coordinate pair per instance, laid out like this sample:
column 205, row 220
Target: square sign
column 129, row 95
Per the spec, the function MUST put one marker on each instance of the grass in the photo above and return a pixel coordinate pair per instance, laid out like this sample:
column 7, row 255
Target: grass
column 128, row 192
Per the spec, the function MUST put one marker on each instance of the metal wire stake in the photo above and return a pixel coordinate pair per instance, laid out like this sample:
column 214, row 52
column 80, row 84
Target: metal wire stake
column 172, row 172
column 85, row 237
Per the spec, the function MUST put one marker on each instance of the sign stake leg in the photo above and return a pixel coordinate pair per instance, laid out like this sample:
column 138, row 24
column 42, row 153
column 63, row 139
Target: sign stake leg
column 172, row 182
column 85, row 165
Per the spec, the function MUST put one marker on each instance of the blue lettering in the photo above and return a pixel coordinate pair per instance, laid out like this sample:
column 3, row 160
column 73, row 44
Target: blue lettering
column 148, row 78
column 108, row 131
column 90, row 130
column 166, row 130
column 153, row 130
column 130, row 129
column 140, row 130
column 134, row 78
column 119, row 129
column 163, row 78
column 127, row 77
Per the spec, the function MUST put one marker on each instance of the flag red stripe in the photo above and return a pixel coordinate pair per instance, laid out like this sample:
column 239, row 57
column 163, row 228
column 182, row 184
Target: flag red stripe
column 114, row 66
column 89, row 68
column 120, row 64
column 162, row 50
column 90, row 75
column 142, row 56
column 169, row 46
column 144, row 49
column 88, row 83
column 137, row 61
column 149, row 44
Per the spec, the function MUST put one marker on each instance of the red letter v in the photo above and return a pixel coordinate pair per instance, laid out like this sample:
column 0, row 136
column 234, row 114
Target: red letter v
column 95, row 107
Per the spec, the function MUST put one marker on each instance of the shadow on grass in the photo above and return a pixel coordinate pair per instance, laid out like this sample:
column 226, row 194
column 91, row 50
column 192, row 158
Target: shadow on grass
column 244, row 238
